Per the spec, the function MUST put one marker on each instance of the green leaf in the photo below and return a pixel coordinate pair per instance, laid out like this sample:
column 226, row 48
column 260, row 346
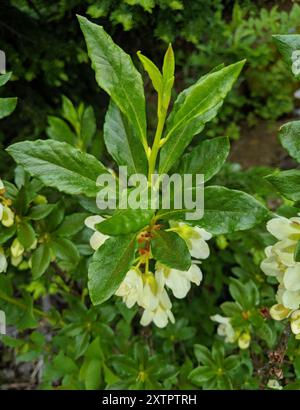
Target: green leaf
column 232, row 362
column 122, row 142
column 4, row 78
column 65, row 249
column 207, row 158
column 193, row 108
column 171, row 250
column 201, row 375
column 93, row 375
column 6, row 233
column 228, row 210
column 245, row 294
column 297, row 252
column 38, row 212
column 288, row 44
column 69, row 111
column 40, row 260
column 116, row 74
column 287, row 183
column 109, row 266
column 7, row 106
column 26, row 234
column 71, row 225
column 59, row 130
column 289, row 137
column 59, row 165
column 125, row 221
column 203, row 355
column 88, row 126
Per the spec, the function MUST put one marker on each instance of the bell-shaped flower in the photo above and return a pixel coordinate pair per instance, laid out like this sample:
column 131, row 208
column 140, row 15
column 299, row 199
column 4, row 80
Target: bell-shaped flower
column 244, row 340
column 291, row 278
column 178, row 281
column 225, row 328
column 162, row 314
column 290, row 299
column 272, row 265
column 131, row 288
column 279, row 312
column 151, row 292
column 16, row 249
column 194, row 237
column 3, row 260
column 98, row 238
column 284, row 228
column 295, row 322
column 6, row 216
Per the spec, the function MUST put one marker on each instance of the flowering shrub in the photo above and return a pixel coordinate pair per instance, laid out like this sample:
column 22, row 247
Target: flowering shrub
column 102, row 297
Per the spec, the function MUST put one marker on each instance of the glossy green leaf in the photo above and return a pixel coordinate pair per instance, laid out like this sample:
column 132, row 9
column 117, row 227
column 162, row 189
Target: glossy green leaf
column 4, row 78
column 171, row 250
column 228, row 210
column 59, row 165
column 207, row 158
column 122, row 142
column 7, row 106
column 193, row 108
column 289, row 136
column 65, row 249
column 289, row 46
column 72, row 224
column 109, row 266
column 287, row 183
column 125, row 221
column 116, row 74
column 88, row 126
column 59, row 130
column 40, row 260
column 26, row 234
column 38, row 212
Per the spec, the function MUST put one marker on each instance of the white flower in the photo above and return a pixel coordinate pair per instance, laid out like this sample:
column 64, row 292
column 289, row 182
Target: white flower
column 289, row 298
column 291, row 278
column 6, row 216
column 178, row 281
column 161, row 315
column 284, row 228
column 98, row 238
column 3, row 260
column 225, row 328
column 131, row 289
column 272, row 265
column 295, row 322
column 1, row 185
column 194, row 237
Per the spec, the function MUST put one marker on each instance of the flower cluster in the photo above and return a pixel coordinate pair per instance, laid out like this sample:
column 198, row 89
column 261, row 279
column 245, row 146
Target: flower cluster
column 226, row 330
column 148, row 289
column 280, row 263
